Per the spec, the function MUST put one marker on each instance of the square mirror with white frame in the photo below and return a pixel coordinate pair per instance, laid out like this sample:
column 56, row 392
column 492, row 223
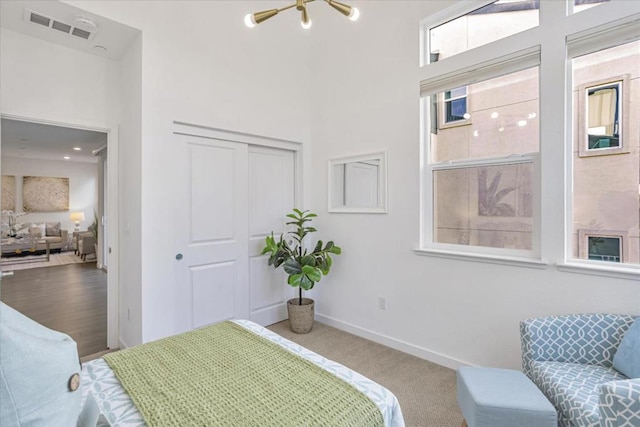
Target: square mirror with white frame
column 358, row 184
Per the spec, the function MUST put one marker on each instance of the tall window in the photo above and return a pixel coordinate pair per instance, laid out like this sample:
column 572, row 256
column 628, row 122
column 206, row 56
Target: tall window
column 482, row 194
column 606, row 164
column 495, row 181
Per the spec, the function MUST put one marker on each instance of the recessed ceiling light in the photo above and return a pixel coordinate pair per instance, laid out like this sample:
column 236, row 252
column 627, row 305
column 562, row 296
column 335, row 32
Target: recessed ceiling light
column 494, row 115
column 66, row 157
column 522, row 123
column 77, row 148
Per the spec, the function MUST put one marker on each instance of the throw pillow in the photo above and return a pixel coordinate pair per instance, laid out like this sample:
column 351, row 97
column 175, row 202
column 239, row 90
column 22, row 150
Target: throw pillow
column 41, row 229
column 35, row 231
column 40, row 370
column 53, row 229
column 627, row 357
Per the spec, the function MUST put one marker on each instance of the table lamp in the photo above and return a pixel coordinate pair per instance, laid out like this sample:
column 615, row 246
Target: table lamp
column 77, row 217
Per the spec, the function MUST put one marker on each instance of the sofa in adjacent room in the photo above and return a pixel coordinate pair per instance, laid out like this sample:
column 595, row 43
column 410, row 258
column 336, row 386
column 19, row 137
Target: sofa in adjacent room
column 51, row 232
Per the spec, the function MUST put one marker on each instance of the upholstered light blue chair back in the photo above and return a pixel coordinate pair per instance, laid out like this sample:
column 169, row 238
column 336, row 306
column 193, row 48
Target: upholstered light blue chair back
column 590, row 339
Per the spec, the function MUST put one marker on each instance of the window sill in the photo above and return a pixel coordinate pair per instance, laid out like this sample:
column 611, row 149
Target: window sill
column 630, row 273
column 484, row 258
column 448, row 125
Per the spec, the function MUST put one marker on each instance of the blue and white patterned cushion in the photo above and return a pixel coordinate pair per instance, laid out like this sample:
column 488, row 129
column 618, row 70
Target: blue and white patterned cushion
column 590, row 339
column 620, row 404
column 574, row 389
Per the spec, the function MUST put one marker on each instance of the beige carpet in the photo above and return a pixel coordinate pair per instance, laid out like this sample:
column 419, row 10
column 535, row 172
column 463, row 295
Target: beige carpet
column 426, row 391
column 39, row 261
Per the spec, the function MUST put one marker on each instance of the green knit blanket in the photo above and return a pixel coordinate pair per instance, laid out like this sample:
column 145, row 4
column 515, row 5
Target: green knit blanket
column 226, row 375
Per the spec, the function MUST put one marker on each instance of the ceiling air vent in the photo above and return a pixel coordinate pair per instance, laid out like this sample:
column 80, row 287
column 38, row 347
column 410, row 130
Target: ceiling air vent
column 82, row 27
column 81, row 33
column 39, row 19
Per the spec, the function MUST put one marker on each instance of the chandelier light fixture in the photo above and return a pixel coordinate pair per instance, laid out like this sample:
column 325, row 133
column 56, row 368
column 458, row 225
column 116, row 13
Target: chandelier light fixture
column 253, row 19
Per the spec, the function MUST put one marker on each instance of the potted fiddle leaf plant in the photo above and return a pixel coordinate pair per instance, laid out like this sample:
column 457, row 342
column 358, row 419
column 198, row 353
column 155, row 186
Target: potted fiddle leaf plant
column 304, row 268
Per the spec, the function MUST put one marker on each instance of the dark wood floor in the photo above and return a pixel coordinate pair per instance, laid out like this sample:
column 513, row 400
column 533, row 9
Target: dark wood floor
column 71, row 299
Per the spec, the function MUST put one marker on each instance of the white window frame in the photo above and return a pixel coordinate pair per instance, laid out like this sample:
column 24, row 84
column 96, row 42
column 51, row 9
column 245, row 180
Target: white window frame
column 546, row 45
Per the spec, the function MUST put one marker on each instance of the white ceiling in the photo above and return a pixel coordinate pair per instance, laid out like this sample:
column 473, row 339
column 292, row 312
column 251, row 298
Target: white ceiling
column 113, row 36
column 39, row 141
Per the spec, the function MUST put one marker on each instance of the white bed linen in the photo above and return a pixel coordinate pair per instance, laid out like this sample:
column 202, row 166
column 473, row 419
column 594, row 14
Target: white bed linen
column 99, row 383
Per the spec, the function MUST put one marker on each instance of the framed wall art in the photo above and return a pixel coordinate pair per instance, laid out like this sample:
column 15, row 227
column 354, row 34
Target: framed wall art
column 45, row 194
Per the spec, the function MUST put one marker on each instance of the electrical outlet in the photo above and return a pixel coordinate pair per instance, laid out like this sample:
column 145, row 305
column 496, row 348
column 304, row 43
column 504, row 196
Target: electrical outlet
column 382, row 303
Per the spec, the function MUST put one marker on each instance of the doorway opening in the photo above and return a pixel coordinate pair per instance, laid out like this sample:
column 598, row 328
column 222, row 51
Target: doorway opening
column 56, row 204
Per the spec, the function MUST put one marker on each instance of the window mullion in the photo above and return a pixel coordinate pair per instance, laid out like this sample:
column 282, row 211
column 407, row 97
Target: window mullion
column 553, row 117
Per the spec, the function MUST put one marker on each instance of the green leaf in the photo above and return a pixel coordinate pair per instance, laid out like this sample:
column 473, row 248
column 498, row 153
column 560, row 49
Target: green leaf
column 291, row 266
column 308, row 260
column 329, row 246
column 313, row 273
column 328, row 262
column 311, row 215
column 299, row 212
column 336, row 250
column 318, row 247
column 306, row 283
column 295, row 280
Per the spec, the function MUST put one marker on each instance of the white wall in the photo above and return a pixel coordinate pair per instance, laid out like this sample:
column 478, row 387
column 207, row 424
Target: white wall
column 83, row 187
column 209, row 69
column 39, row 79
column 366, row 98
column 130, row 199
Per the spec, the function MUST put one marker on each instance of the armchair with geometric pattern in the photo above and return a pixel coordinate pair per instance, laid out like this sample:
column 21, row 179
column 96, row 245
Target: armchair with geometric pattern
column 570, row 358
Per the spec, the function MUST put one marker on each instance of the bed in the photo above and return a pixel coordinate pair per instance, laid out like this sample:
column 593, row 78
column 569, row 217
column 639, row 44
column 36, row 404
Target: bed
column 106, row 398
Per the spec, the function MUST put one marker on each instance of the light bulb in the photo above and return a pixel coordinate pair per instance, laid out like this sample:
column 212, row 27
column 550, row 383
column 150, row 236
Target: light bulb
column 249, row 21
column 522, row 123
column 355, row 14
column 494, row 115
column 304, row 19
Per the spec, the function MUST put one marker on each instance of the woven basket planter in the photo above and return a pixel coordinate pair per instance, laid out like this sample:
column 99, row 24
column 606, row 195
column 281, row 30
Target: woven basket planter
column 300, row 316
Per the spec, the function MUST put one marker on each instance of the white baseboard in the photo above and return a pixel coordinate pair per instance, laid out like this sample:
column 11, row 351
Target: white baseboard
column 414, row 350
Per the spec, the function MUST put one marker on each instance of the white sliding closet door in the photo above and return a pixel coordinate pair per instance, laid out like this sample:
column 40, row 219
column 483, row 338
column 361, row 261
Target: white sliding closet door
column 234, row 195
column 271, row 197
